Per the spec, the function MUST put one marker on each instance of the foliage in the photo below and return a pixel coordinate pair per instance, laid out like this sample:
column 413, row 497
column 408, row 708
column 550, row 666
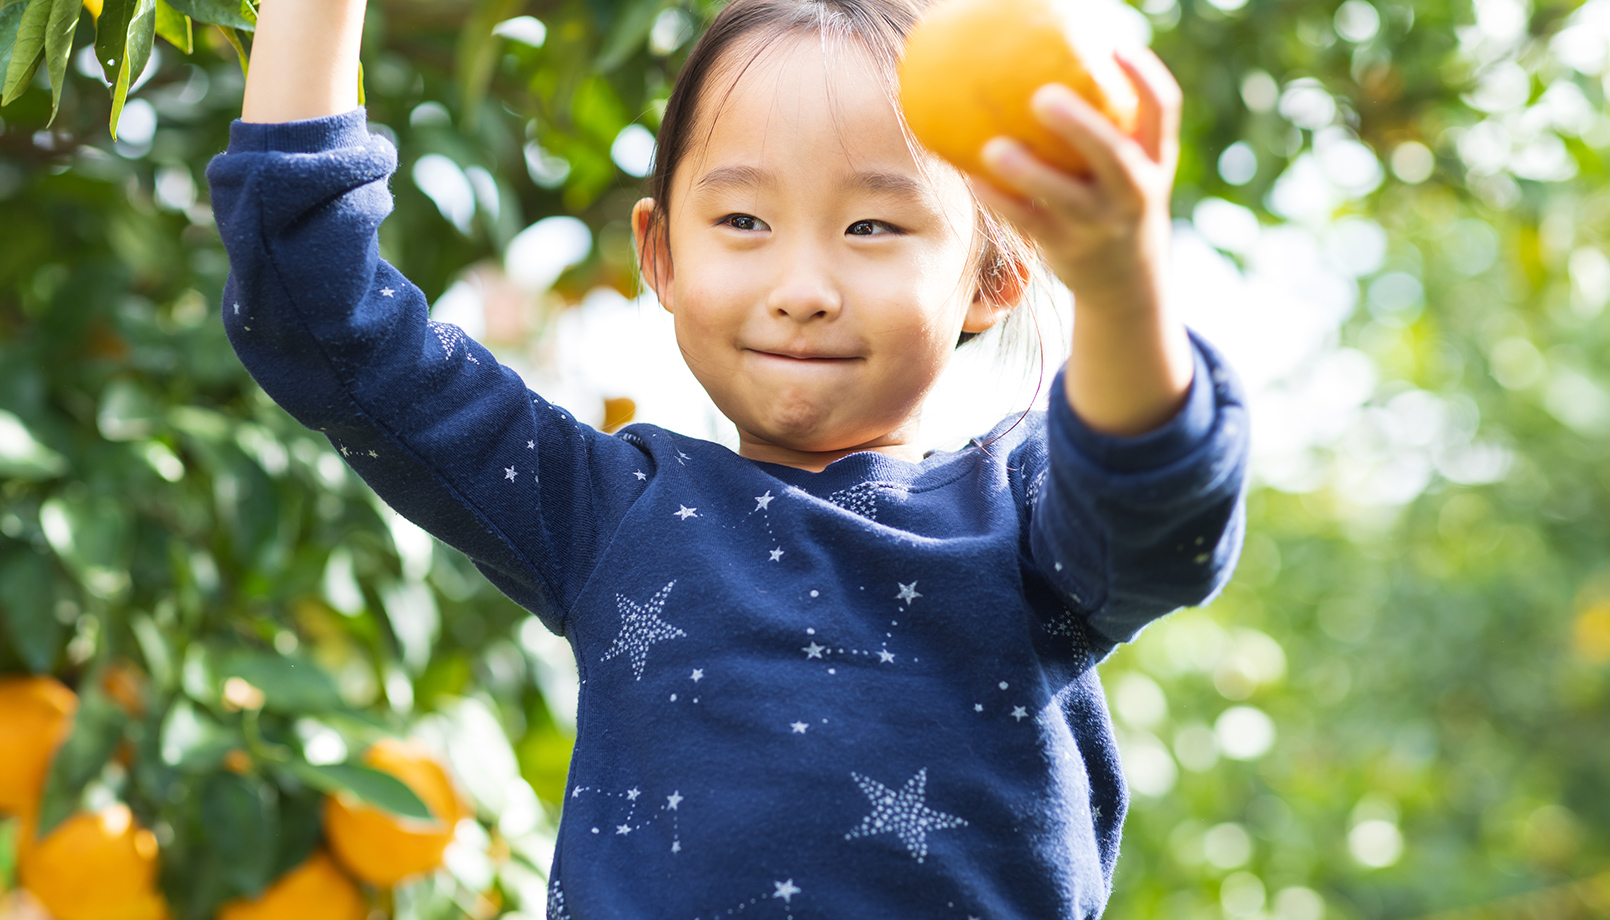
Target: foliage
column 1421, row 616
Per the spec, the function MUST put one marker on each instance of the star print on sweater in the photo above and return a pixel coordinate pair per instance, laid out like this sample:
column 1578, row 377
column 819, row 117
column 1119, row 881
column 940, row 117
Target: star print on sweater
column 642, row 627
column 903, row 813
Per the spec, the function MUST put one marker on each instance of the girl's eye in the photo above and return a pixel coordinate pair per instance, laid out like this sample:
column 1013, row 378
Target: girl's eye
column 744, row 222
column 870, row 228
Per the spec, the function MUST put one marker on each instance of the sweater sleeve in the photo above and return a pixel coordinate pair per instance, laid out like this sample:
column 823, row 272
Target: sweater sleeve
column 426, row 416
column 1129, row 529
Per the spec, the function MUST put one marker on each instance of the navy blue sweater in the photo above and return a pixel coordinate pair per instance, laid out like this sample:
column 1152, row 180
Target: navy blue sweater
column 868, row 692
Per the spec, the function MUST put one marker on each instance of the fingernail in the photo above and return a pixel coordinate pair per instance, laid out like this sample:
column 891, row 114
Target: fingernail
column 1002, row 151
column 1054, row 98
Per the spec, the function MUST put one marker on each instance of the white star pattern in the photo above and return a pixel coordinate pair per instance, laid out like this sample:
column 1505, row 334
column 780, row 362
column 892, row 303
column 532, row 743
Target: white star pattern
column 885, row 656
column 1019, row 713
column 698, row 675
column 685, row 512
column 237, row 309
column 978, row 707
column 641, row 627
column 633, row 793
column 861, row 499
column 640, row 475
column 777, row 554
column 509, row 474
column 531, row 445
column 799, row 728
column 673, row 800
column 902, row 813
column 373, row 454
column 761, row 501
column 908, row 593
column 786, row 891
column 387, row 292
column 344, row 451
column 556, row 902
column 622, row 830
column 814, row 650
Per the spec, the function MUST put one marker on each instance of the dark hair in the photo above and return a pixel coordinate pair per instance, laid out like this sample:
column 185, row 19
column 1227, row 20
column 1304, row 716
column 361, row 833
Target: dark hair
column 881, row 27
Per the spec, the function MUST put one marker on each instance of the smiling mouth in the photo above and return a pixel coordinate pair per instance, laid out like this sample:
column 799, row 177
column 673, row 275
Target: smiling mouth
column 804, row 359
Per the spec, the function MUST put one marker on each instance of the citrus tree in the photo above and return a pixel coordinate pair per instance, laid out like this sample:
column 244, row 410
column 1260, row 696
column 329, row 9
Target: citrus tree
column 1395, row 710
column 211, row 635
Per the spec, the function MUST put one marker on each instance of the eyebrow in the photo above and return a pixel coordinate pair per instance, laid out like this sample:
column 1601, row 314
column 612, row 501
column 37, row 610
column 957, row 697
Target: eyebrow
column 887, row 184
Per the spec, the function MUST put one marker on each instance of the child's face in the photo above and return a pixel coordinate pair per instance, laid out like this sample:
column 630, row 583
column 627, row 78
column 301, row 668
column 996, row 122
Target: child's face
column 818, row 277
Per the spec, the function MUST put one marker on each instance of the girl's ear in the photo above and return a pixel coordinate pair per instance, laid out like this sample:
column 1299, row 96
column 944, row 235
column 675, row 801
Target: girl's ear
column 1002, row 290
column 653, row 251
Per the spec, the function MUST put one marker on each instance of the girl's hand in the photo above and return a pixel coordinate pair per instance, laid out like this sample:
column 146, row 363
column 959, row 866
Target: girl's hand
column 1105, row 235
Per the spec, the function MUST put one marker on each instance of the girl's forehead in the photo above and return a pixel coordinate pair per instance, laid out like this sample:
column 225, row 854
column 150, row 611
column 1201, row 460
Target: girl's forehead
column 807, row 101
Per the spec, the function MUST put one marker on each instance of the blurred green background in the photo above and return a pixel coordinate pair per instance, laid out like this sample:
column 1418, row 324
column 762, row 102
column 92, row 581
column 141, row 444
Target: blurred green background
column 1400, row 707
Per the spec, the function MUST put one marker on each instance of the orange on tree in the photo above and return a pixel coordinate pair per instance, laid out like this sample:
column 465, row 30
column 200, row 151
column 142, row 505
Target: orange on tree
column 36, row 716
column 383, row 848
column 971, row 66
column 94, row 866
column 315, row 890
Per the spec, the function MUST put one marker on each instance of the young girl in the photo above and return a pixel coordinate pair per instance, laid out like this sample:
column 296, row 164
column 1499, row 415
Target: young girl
column 824, row 676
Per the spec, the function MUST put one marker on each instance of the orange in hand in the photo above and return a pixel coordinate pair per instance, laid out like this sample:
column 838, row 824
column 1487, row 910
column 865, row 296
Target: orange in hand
column 971, row 67
column 380, row 847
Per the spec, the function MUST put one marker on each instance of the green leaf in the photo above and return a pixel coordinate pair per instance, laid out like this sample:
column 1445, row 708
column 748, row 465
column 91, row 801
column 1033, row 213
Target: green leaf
column 97, row 728
column 112, row 35
column 22, row 457
column 175, row 27
column 241, row 827
column 10, row 20
column 215, row 12
column 382, row 790
column 93, row 536
column 29, row 45
column 301, row 824
column 233, row 37
column 28, row 609
column 290, row 685
column 630, row 30
column 141, row 36
column 191, row 740
column 59, row 47
column 123, row 39
column 478, row 52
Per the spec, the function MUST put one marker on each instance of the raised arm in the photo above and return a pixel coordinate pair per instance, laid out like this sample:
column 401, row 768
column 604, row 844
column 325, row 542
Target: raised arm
column 344, row 342
column 1106, row 236
column 304, row 60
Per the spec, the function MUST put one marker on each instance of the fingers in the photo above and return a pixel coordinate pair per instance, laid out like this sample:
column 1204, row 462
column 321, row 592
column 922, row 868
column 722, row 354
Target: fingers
column 1106, row 148
column 1016, row 169
column 1158, row 130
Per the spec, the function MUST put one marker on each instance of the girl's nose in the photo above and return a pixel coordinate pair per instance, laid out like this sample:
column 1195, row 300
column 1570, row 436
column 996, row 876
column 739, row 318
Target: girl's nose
column 805, row 291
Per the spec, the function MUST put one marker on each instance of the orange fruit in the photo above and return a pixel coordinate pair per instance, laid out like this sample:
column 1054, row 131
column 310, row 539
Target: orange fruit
column 36, row 716
column 94, row 7
column 971, row 66
column 380, row 847
column 93, row 866
column 315, row 890
column 125, row 684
